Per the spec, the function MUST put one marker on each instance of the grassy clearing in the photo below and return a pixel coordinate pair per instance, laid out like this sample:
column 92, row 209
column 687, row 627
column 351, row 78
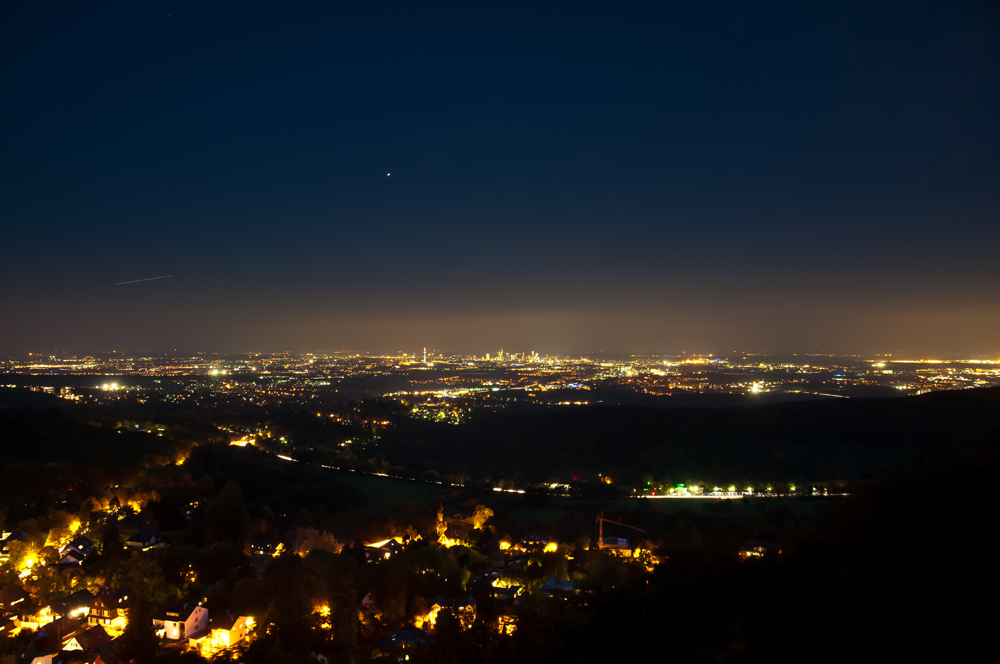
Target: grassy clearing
column 390, row 493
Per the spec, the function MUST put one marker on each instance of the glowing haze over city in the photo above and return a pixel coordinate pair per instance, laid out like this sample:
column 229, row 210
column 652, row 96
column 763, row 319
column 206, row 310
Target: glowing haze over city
column 659, row 181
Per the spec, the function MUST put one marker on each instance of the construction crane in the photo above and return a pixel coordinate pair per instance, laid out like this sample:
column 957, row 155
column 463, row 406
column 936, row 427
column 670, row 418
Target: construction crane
column 600, row 534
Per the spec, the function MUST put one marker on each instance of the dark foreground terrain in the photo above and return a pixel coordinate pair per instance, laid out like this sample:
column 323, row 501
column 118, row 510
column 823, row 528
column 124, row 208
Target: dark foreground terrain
column 900, row 569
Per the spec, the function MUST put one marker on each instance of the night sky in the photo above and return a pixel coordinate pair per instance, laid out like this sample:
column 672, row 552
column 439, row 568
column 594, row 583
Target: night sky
column 559, row 178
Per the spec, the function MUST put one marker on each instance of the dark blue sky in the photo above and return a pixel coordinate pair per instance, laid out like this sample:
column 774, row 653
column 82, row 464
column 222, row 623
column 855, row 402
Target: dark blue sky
column 778, row 176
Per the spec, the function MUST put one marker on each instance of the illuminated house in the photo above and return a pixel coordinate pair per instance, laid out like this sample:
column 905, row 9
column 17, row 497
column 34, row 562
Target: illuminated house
column 508, row 594
column 75, row 552
column 758, row 549
column 457, row 535
column 147, row 539
column 52, row 635
column 80, row 544
column 7, row 538
column 76, row 605
column 179, row 622
column 617, row 546
column 263, row 547
column 72, row 607
column 224, row 631
column 34, row 617
column 383, row 550
column 532, row 542
column 463, row 609
column 72, row 558
column 506, row 620
column 91, row 639
column 110, row 611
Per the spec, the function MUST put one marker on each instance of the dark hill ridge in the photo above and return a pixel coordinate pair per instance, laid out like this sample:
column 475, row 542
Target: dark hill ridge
column 801, row 441
column 54, row 438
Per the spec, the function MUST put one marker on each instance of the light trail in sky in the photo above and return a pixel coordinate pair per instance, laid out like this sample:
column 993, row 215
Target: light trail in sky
column 135, row 281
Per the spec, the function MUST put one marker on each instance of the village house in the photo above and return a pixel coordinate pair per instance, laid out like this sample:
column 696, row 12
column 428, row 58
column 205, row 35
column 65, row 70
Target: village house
column 51, row 636
column 383, row 550
column 91, row 639
column 74, row 553
column 179, row 622
column 462, row 608
column 81, row 544
column 72, row 558
column 758, row 549
column 7, row 538
column 506, row 619
column 77, row 605
column 33, row 616
column 110, row 610
column 263, row 547
column 508, row 594
column 147, row 539
column 224, row 631
column 74, row 606
column 617, row 546
column 532, row 542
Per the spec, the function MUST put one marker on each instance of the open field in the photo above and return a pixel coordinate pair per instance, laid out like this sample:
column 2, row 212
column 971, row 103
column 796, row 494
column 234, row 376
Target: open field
column 548, row 514
column 389, row 492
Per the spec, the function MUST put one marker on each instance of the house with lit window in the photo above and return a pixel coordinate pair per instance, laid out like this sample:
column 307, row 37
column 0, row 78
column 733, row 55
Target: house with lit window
column 532, row 542
column 463, row 608
column 34, row 616
column 91, row 639
column 52, row 635
column 759, row 549
column 81, row 544
column 224, row 631
column 178, row 622
column 263, row 547
column 616, row 546
column 7, row 538
column 74, row 553
column 72, row 558
column 76, row 605
column 147, row 539
column 110, row 610
column 383, row 550
column 506, row 619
